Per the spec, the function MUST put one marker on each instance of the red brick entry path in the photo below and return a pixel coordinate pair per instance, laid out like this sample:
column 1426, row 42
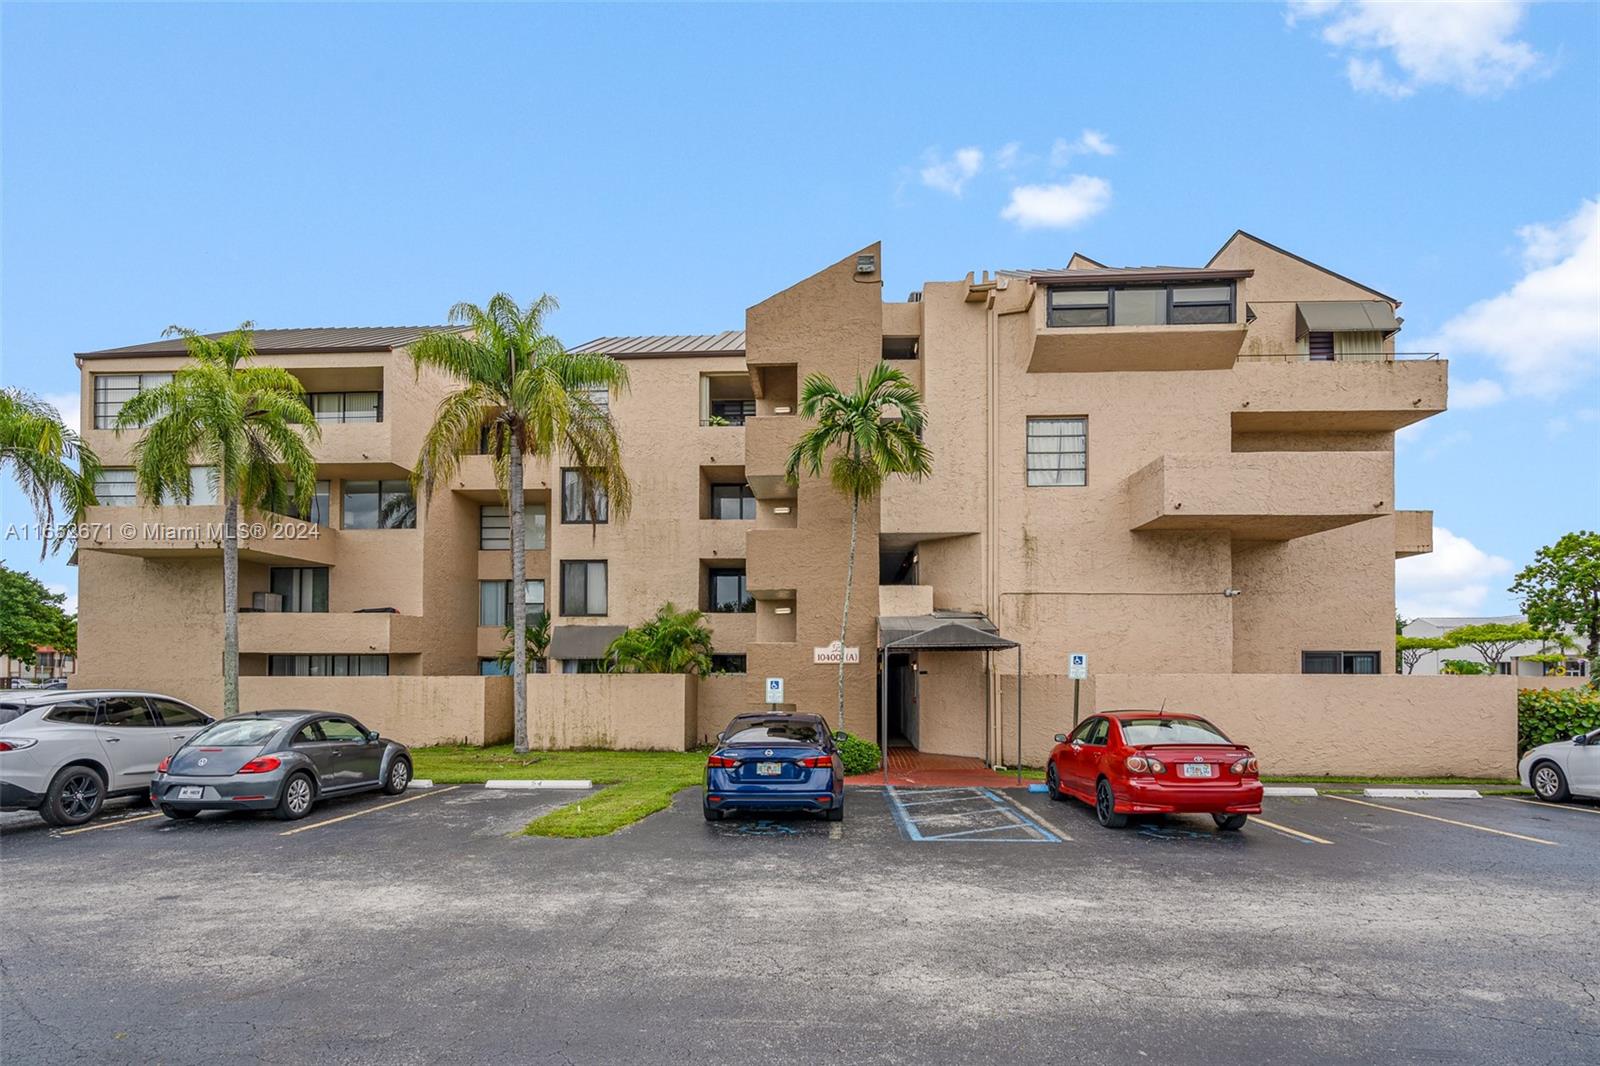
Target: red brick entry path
column 910, row 768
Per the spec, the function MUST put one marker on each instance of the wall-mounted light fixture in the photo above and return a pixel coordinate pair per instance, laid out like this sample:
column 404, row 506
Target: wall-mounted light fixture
column 783, row 610
column 781, row 411
column 1230, row 592
column 780, row 510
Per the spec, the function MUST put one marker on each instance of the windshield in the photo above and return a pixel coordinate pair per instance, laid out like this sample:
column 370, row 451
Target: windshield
column 237, row 733
column 773, row 731
column 1138, row 732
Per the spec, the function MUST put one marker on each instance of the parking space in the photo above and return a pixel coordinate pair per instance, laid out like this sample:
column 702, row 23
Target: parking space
column 974, row 815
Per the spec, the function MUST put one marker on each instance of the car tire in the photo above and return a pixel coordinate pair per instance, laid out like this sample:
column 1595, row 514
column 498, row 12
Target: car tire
column 1230, row 823
column 180, row 813
column 836, row 814
column 75, row 795
column 712, row 814
column 1052, row 783
column 1549, row 783
column 299, row 793
column 398, row 777
column 1105, row 806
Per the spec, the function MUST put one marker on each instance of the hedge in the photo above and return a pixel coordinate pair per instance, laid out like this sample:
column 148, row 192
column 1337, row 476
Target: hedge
column 860, row 756
column 1548, row 715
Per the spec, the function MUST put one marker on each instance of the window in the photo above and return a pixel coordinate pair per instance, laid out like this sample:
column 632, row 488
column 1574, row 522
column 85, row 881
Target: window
column 73, row 714
column 111, row 391
column 733, row 412
column 583, row 587
column 600, row 396
column 118, row 487
column 727, row 664
column 1339, row 662
column 304, row 588
column 494, row 527
column 1141, row 731
column 342, row 730
column 1141, row 305
column 327, row 665
column 346, row 406
column 1320, row 346
column 784, row 730
column 581, row 499
column 732, row 502
column 583, row 666
column 126, row 712
column 379, row 505
column 494, row 601
column 1058, row 451
column 174, row 713
column 318, row 514
column 239, row 733
column 725, row 592
column 307, row 734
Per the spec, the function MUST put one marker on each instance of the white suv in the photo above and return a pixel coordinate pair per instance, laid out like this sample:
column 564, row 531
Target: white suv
column 63, row 754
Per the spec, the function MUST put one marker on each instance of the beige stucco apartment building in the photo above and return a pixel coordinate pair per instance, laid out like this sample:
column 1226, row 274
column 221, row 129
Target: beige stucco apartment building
column 1185, row 474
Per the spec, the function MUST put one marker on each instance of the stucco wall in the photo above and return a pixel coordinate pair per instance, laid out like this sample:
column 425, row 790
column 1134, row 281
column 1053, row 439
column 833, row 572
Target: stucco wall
column 718, row 699
column 414, row 710
column 624, row 711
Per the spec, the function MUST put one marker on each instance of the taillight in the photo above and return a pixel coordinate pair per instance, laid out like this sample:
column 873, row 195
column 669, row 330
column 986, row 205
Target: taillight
column 818, row 762
column 16, row 745
column 722, row 762
column 1146, row 764
column 262, row 765
column 165, row 763
column 1247, row 765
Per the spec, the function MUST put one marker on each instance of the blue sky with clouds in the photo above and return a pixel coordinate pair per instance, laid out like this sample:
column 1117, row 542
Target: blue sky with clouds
column 661, row 168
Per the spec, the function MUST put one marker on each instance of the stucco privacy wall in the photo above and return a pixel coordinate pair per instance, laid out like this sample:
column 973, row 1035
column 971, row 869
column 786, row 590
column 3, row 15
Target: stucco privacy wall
column 718, row 699
column 413, row 710
column 1384, row 725
column 626, row 711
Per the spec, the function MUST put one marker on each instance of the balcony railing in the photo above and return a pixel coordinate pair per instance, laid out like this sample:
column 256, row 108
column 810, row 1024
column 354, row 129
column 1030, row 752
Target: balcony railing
column 1341, row 357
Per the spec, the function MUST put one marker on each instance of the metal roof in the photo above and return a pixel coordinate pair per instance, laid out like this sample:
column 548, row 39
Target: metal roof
column 729, row 342
column 583, row 642
column 941, row 631
column 283, row 341
column 1335, row 316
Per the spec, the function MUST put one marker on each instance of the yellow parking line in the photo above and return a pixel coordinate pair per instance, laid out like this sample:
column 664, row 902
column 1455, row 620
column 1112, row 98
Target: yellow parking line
column 118, row 824
column 369, row 810
column 1447, row 821
column 1258, row 820
column 1552, row 806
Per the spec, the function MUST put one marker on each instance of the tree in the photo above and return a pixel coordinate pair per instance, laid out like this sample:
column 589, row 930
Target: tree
column 249, row 426
column 49, row 461
column 536, row 634
column 1492, row 640
column 669, row 642
column 31, row 616
column 1410, row 650
column 531, row 397
column 1560, row 589
column 864, row 437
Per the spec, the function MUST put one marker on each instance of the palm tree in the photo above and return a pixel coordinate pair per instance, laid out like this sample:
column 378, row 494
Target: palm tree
column 537, row 635
column 40, row 451
column 249, row 425
column 538, row 399
column 669, row 642
column 864, row 437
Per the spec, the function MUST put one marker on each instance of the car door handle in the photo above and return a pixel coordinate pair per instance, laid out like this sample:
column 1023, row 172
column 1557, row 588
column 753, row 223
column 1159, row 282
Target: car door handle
column 113, row 740
column 180, row 736
column 337, row 754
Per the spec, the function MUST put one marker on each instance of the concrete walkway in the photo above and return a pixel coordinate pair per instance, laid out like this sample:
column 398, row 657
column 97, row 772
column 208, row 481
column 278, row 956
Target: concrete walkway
column 910, row 768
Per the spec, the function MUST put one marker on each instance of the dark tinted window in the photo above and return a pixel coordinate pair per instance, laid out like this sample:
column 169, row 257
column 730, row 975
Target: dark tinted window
column 73, row 714
column 174, row 713
column 340, row 729
column 237, row 733
column 306, row 734
column 127, row 712
column 1138, row 731
column 10, row 712
column 1097, row 733
column 773, row 731
column 1080, row 734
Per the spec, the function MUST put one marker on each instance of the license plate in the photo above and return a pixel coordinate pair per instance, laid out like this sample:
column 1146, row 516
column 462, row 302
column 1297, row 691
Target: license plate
column 1196, row 769
column 769, row 769
column 190, row 792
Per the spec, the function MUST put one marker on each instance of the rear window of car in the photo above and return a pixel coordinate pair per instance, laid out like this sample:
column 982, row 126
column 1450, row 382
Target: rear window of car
column 10, row 712
column 239, row 733
column 773, row 731
column 1141, row 731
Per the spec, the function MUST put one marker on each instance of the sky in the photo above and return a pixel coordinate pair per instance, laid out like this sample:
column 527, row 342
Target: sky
column 661, row 168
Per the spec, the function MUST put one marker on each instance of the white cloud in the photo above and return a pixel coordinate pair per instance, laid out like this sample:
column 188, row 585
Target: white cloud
column 71, row 604
column 1480, row 393
column 1009, row 156
column 1058, row 206
column 1454, row 579
column 951, row 175
column 1543, row 333
column 1398, row 46
column 69, row 404
column 1089, row 142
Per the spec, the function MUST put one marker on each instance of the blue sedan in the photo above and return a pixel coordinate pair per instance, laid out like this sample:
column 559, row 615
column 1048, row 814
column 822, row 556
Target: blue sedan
column 775, row 762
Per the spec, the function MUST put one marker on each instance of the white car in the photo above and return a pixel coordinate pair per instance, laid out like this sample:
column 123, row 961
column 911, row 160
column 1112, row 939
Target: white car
column 64, row 753
column 1566, row 768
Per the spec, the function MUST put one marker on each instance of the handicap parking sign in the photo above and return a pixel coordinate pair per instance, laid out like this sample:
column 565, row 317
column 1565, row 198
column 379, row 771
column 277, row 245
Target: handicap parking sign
column 1078, row 666
column 774, row 690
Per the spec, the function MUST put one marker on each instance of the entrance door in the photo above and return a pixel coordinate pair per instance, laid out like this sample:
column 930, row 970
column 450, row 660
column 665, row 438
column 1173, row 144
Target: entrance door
column 903, row 723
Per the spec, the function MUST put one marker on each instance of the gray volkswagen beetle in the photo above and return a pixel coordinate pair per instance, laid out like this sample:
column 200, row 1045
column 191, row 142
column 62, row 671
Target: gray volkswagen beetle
column 279, row 761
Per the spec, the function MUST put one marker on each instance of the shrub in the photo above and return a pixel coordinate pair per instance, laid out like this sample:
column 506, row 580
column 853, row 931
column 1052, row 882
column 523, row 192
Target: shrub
column 1548, row 715
column 1463, row 666
column 860, row 756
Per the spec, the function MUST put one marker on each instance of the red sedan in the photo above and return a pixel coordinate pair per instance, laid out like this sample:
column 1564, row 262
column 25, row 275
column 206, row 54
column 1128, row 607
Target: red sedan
column 1147, row 762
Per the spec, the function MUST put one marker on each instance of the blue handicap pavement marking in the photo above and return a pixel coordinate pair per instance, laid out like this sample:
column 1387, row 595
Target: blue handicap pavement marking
column 964, row 815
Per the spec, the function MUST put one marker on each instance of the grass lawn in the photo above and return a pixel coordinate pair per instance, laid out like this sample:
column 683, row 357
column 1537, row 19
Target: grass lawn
column 635, row 783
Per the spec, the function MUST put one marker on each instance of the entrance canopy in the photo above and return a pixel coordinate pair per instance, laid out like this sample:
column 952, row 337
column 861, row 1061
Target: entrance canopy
column 940, row 631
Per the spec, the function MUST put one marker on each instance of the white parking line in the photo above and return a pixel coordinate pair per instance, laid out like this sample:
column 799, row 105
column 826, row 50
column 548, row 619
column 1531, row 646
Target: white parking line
column 1258, row 820
column 1447, row 821
column 536, row 783
column 369, row 810
column 1552, row 806
column 118, row 824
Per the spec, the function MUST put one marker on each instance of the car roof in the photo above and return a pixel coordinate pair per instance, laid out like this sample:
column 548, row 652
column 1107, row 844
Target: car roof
column 1123, row 716
column 37, row 695
column 287, row 715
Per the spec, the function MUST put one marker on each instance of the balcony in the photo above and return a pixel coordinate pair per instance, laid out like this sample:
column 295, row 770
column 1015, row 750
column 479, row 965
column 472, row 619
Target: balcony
column 353, row 447
column 289, row 633
column 1413, row 533
column 195, row 531
column 1291, row 393
column 904, row 600
column 770, row 561
column 767, row 441
column 1099, row 349
column 1261, row 495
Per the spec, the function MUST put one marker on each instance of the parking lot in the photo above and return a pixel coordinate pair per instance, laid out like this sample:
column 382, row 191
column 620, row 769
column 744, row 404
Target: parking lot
column 427, row 929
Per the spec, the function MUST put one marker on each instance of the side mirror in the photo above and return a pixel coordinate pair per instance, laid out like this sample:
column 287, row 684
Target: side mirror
column 1061, row 738
column 372, row 734
column 721, row 737
column 1581, row 740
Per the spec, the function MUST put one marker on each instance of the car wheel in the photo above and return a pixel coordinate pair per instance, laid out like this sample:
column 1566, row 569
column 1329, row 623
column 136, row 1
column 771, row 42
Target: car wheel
column 399, row 777
column 712, row 814
column 298, row 793
column 836, row 814
column 1105, row 806
column 180, row 813
column 1549, row 783
column 74, row 797
column 1230, row 822
column 1052, row 783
